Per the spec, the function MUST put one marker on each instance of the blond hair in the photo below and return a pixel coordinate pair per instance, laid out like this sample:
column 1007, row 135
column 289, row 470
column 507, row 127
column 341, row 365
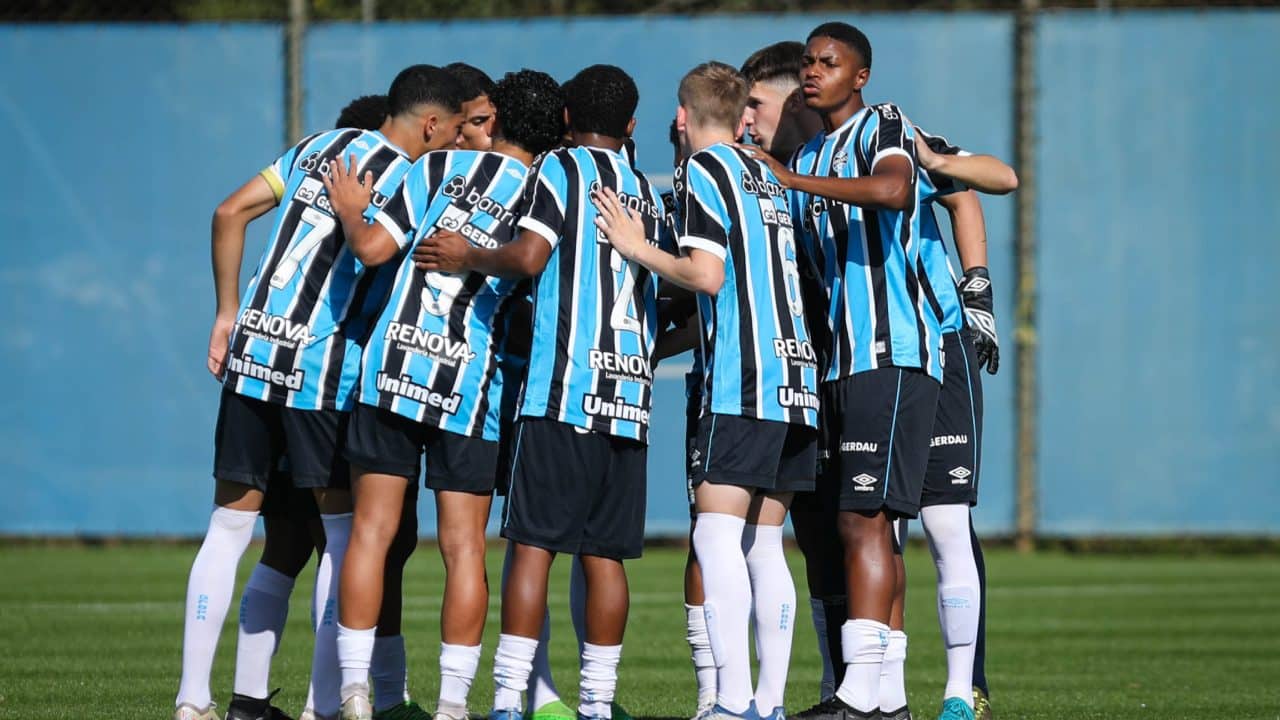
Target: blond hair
column 714, row 94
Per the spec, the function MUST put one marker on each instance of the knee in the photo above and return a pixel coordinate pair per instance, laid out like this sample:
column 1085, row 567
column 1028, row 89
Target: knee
column 463, row 548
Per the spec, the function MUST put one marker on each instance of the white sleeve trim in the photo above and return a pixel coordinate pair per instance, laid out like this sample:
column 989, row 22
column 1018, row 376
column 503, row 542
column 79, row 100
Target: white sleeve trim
column 541, row 228
column 889, row 152
column 697, row 243
column 397, row 234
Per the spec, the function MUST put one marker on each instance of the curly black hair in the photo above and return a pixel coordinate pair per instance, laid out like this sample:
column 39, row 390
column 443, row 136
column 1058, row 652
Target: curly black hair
column 366, row 112
column 530, row 107
column 475, row 83
column 424, row 85
column 847, row 34
column 601, row 99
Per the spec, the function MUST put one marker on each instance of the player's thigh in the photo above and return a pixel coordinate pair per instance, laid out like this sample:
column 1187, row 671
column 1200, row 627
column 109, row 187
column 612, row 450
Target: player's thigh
column 769, row 508
column 314, row 441
column 555, row 469
column 614, row 524
column 737, row 451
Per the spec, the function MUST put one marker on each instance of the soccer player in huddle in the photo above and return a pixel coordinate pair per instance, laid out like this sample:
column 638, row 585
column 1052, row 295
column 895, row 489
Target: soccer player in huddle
column 775, row 122
column 429, row 379
column 756, row 441
column 578, row 468
column 478, row 110
column 287, row 357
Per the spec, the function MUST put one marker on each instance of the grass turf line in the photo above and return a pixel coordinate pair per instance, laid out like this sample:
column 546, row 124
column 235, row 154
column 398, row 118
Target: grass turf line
column 96, row 632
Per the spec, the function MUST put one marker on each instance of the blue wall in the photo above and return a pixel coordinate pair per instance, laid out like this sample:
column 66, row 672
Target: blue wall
column 1161, row 380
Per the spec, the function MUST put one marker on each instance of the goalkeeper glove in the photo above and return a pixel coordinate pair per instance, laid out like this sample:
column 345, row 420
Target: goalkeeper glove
column 975, row 293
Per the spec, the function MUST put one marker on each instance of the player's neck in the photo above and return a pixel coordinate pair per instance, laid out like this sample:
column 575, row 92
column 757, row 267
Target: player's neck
column 701, row 138
column 404, row 137
column 840, row 115
column 597, row 140
column 511, row 150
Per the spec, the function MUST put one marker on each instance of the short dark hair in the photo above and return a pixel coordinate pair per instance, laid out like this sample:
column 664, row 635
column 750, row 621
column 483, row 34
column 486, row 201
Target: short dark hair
column 475, row 82
column 424, row 85
column 530, row 108
column 847, row 34
column 673, row 135
column 366, row 112
column 601, row 99
column 775, row 62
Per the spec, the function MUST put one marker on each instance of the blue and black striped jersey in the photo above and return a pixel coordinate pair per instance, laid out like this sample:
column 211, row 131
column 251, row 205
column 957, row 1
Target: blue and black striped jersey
column 432, row 355
column 760, row 362
column 594, row 313
column 878, row 313
column 309, row 303
column 939, row 276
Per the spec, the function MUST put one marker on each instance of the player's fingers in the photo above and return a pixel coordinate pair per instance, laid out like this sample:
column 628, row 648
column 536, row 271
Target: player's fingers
column 351, row 167
column 994, row 365
column 368, row 179
column 602, row 223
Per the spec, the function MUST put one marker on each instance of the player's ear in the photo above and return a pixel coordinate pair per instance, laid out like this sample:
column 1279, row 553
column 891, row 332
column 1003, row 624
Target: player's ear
column 430, row 122
column 631, row 127
column 741, row 131
column 861, row 78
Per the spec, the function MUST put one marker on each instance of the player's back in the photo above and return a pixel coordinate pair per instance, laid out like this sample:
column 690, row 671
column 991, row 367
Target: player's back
column 595, row 313
column 760, row 361
column 938, row 277
column 431, row 355
column 310, row 298
column 879, row 317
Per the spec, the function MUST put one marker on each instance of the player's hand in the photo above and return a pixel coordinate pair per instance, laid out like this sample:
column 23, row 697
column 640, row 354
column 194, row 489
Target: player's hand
column 219, row 340
column 975, row 293
column 779, row 170
column 623, row 228
column 348, row 193
column 443, row 251
column 925, row 156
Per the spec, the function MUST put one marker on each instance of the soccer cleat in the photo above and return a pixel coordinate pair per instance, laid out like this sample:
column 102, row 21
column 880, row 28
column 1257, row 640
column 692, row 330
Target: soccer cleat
column 444, row 711
column 718, row 712
column 243, row 707
column 407, row 710
column 777, row 714
column 505, row 715
column 187, row 711
column 311, row 714
column 704, row 706
column 554, row 710
column 902, row 713
column 833, row 708
column 982, row 705
column 356, row 706
column 954, row 708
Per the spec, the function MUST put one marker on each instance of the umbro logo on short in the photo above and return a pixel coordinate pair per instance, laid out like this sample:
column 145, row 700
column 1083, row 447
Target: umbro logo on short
column 863, row 483
column 959, row 475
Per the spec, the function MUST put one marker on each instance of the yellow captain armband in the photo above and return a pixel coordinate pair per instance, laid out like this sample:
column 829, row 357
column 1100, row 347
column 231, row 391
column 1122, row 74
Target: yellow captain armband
column 277, row 187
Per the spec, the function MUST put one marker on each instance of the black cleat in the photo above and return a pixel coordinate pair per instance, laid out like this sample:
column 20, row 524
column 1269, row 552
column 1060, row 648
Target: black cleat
column 833, row 708
column 902, row 713
column 243, row 707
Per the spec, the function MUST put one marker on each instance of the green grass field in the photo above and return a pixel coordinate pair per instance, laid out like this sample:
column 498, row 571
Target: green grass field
column 95, row 633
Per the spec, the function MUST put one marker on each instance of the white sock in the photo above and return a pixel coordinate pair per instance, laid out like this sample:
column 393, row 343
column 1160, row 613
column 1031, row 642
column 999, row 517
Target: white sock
column 599, row 680
column 819, row 613
column 389, row 671
column 458, row 665
column 512, row 664
column 863, row 643
column 959, row 596
column 355, row 655
column 726, row 586
column 264, row 607
column 326, row 678
column 893, row 683
column 209, row 587
column 578, row 603
column 704, row 663
column 774, row 602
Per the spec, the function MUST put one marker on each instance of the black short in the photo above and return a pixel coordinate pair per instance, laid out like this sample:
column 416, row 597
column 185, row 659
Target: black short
column 384, row 442
column 512, row 373
column 760, row 454
column 692, row 411
column 878, row 424
column 282, row 499
column 576, row 491
column 955, row 450
column 252, row 435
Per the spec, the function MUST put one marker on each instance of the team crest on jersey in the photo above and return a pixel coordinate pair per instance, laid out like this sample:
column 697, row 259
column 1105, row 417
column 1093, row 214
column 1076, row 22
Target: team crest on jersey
column 840, row 161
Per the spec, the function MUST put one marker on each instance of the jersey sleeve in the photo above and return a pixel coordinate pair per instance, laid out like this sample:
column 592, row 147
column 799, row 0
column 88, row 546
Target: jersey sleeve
column 544, row 199
column 934, row 184
column 889, row 135
column 277, row 173
column 705, row 224
column 406, row 207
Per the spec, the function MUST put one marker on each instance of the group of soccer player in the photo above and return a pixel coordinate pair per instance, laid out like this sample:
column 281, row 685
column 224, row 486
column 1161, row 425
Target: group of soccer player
column 475, row 272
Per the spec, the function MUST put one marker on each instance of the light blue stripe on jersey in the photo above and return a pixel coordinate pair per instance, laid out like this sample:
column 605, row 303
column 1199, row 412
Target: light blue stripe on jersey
column 307, row 305
column 432, row 356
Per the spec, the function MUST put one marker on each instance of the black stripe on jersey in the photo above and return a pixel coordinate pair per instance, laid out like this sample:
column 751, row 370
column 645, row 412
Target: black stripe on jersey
column 749, row 371
column 567, row 247
column 875, row 264
column 334, row 359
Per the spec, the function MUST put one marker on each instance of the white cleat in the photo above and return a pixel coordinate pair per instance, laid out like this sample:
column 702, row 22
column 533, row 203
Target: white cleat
column 187, row 711
column 357, row 705
column 310, row 714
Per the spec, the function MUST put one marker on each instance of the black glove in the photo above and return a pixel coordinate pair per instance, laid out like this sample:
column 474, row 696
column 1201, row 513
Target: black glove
column 975, row 293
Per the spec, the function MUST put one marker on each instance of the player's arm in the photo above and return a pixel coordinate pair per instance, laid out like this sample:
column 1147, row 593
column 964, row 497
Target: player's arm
column 984, row 173
column 700, row 271
column 969, row 228
column 350, row 196
column 677, row 321
column 447, row 251
column 232, row 216
column 888, row 187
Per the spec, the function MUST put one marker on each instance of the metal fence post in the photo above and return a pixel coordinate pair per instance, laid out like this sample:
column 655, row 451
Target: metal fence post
column 294, row 37
column 1027, row 379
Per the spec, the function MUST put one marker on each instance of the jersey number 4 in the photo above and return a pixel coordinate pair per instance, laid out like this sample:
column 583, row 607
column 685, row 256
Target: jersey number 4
column 624, row 316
